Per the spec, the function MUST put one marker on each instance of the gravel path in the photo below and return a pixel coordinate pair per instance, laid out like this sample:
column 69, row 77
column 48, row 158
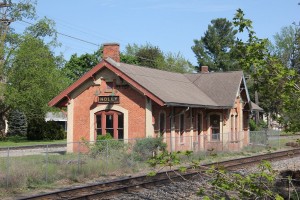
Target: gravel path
column 188, row 189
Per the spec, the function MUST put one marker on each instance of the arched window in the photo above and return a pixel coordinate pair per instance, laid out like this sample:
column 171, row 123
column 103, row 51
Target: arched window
column 110, row 122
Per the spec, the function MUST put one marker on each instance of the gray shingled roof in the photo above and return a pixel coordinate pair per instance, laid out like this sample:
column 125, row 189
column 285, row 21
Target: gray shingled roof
column 255, row 107
column 199, row 90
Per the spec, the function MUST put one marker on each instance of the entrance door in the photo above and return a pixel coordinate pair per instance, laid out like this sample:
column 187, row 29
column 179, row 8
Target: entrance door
column 215, row 127
column 110, row 122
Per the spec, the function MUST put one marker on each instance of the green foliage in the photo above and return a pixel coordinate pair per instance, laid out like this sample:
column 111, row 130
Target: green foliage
column 33, row 78
column 287, row 47
column 44, row 28
column 39, row 129
column 225, row 185
column 257, row 127
column 54, row 131
column 79, row 65
column 252, row 125
column 105, row 144
column 214, row 49
column 17, row 124
column 8, row 42
column 277, row 84
column 169, row 159
column 144, row 148
column 149, row 56
column 36, row 129
column 152, row 56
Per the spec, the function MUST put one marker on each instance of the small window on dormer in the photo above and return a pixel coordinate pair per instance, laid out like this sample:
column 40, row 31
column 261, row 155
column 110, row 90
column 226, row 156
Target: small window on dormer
column 109, row 86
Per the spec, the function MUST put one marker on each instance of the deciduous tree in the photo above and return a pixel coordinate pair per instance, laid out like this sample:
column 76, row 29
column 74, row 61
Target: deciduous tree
column 10, row 12
column 33, row 78
column 79, row 65
column 277, row 84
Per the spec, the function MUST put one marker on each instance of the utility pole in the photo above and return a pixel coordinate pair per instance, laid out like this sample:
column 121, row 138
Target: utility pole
column 4, row 24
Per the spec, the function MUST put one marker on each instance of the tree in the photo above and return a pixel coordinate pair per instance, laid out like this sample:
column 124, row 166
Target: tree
column 10, row 12
column 214, row 49
column 287, row 47
column 152, row 57
column 79, row 65
column 17, row 124
column 277, row 85
column 33, row 78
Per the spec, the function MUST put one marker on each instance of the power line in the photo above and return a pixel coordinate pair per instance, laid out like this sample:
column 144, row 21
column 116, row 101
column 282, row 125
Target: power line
column 82, row 40
column 69, row 36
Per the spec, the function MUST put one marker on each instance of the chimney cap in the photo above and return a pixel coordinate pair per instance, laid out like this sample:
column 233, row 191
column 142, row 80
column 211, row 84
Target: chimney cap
column 111, row 44
column 204, row 69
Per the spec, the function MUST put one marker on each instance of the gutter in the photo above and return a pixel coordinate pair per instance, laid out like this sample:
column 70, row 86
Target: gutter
column 197, row 106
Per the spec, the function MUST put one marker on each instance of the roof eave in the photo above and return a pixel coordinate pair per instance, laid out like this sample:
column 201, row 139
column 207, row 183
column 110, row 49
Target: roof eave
column 197, row 105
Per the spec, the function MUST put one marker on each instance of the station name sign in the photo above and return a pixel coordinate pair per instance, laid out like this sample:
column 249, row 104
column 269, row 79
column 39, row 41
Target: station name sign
column 108, row 99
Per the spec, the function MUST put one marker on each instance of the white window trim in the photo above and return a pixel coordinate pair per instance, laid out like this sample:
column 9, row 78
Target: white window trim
column 209, row 127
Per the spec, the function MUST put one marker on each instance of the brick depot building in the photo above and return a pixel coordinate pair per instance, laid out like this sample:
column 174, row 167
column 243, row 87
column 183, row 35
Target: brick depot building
column 131, row 101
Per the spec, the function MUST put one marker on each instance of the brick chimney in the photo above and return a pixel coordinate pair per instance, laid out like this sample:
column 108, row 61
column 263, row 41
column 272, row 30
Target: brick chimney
column 204, row 69
column 111, row 50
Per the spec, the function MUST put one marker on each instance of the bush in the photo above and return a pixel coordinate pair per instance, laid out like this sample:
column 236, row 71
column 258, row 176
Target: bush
column 39, row 129
column 36, row 129
column 261, row 125
column 105, row 144
column 54, row 131
column 144, row 148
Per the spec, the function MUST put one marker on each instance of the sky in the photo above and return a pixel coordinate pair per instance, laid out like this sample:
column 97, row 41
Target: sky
column 172, row 25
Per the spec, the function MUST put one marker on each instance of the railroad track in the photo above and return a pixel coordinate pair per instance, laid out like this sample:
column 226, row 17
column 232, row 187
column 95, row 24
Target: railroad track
column 128, row 184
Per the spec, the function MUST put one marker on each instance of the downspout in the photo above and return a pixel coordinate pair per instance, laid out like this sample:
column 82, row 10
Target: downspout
column 223, row 130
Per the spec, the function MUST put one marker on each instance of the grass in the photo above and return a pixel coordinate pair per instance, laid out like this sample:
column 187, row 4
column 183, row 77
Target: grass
column 38, row 172
column 16, row 141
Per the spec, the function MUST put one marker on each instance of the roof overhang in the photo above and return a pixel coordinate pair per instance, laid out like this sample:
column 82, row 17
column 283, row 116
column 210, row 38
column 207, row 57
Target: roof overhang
column 174, row 104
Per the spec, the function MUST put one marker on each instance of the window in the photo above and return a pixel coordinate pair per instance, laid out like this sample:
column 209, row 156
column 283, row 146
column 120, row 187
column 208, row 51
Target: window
column 245, row 120
column 162, row 124
column 98, row 125
column 200, row 124
column 215, row 127
column 236, row 128
column 110, row 124
column 232, row 128
column 120, row 126
column 109, row 86
column 181, row 128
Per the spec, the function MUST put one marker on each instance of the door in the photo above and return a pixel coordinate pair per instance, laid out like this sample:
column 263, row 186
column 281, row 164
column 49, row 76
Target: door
column 110, row 122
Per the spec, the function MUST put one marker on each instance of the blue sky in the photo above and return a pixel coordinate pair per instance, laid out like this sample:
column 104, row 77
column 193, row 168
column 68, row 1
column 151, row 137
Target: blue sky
column 170, row 24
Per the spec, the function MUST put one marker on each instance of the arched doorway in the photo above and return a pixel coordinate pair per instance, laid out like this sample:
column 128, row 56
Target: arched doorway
column 110, row 122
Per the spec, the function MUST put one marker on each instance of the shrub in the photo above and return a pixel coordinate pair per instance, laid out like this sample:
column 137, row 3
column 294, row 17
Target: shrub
column 36, row 129
column 257, row 127
column 54, row 131
column 105, row 144
column 39, row 129
column 144, row 148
